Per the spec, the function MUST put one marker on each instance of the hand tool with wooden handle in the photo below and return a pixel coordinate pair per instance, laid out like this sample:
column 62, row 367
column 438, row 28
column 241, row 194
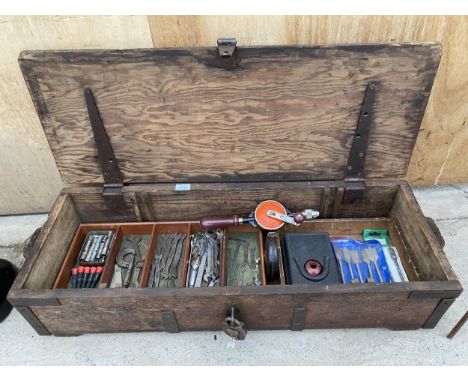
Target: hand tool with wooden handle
column 269, row 215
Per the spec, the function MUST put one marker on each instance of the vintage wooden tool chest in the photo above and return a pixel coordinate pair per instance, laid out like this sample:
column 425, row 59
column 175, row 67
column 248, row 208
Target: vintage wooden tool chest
column 187, row 133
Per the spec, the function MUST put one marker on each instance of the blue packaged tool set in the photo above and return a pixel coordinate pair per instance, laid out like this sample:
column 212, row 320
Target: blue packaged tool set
column 361, row 262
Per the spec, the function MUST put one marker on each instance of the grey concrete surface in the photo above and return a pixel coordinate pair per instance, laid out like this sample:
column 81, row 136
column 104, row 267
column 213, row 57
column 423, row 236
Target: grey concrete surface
column 14, row 233
column 14, row 230
column 447, row 205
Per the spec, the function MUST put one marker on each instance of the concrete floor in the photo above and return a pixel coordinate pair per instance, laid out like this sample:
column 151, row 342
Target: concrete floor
column 20, row 345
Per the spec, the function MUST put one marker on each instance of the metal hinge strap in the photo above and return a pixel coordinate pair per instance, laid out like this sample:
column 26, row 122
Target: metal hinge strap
column 354, row 172
column 110, row 166
column 113, row 181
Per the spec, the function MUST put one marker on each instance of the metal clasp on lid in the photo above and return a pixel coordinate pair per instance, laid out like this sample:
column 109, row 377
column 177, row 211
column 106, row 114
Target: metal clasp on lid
column 227, row 53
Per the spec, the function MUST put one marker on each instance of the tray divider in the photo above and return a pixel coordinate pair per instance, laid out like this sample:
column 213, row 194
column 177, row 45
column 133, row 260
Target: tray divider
column 223, row 258
column 262, row 257
column 185, row 257
column 108, row 270
column 280, row 261
column 149, row 258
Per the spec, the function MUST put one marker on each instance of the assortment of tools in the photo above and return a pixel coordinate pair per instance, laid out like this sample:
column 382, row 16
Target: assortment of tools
column 96, row 247
column 166, row 266
column 85, row 277
column 309, row 259
column 129, row 262
column 243, row 259
column 204, row 261
column 361, row 262
column 91, row 259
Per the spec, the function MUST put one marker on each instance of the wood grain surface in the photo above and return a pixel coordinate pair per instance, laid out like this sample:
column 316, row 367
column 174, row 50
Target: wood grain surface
column 440, row 152
column 271, row 307
column 286, row 113
column 63, row 205
column 54, row 247
column 419, row 237
column 31, row 181
column 258, row 312
column 207, row 199
column 34, row 182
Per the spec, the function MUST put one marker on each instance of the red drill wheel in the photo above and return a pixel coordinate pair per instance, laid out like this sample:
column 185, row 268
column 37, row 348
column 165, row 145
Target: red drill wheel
column 267, row 222
column 313, row 267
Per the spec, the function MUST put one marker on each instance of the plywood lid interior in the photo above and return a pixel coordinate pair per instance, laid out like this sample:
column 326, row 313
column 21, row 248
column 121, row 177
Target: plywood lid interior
column 286, row 113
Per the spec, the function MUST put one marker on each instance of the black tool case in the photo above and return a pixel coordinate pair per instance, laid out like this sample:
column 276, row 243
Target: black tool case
column 310, row 251
column 151, row 140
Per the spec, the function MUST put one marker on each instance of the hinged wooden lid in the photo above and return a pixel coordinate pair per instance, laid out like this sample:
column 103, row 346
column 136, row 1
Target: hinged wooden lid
column 277, row 113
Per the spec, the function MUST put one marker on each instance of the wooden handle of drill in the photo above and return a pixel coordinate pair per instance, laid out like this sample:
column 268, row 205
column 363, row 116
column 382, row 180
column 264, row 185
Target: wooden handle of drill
column 214, row 222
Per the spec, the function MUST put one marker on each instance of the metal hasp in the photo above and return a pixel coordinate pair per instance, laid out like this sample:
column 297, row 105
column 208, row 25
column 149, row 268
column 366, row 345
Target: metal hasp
column 227, row 53
column 354, row 183
column 232, row 326
column 113, row 183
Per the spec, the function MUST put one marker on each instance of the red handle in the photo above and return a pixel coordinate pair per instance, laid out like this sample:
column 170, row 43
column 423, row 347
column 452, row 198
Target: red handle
column 213, row 222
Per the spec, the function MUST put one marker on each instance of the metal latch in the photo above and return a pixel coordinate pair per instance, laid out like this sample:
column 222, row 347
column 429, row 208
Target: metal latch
column 227, row 53
column 354, row 190
column 354, row 172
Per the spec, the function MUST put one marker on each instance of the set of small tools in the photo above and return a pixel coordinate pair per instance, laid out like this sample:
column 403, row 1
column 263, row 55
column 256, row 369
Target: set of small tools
column 165, row 269
column 204, row 263
column 361, row 264
column 243, row 264
column 96, row 247
column 85, row 277
column 129, row 263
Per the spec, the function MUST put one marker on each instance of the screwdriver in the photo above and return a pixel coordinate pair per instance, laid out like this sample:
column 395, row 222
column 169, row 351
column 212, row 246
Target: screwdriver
column 79, row 280
column 96, row 277
column 74, row 277
column 85, row 277
column 89, row 282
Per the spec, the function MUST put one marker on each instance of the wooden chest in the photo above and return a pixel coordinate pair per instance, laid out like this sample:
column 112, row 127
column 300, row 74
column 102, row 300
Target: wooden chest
column 214, row 131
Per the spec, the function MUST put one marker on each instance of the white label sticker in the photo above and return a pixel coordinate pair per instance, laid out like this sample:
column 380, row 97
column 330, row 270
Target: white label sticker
column 182, row 187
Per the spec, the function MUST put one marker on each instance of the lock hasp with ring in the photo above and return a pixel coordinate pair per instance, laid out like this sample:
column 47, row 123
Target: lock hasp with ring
column 232, row 326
